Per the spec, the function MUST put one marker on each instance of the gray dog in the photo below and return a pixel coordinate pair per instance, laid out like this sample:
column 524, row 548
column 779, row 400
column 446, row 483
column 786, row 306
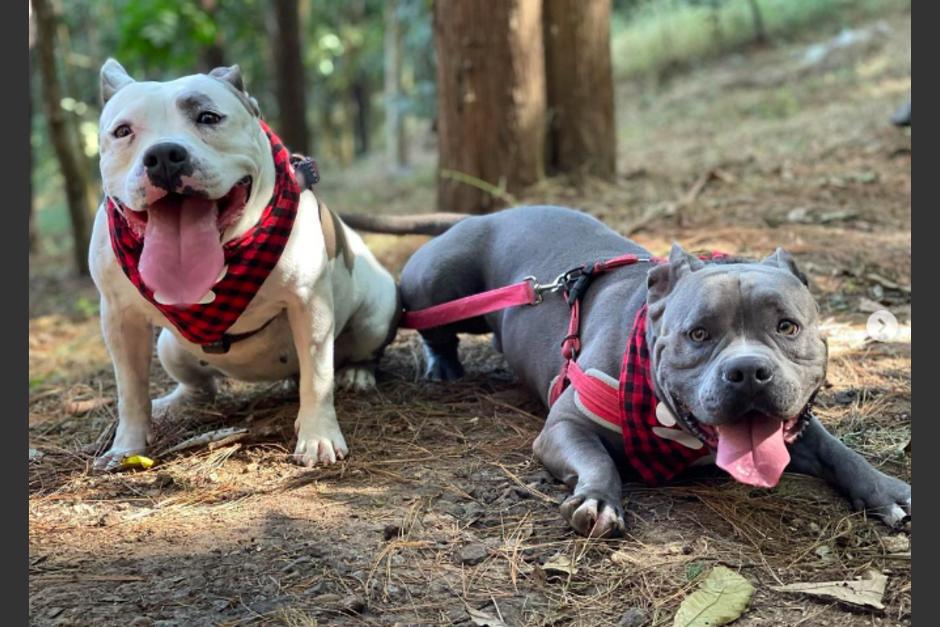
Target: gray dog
column 735, row 357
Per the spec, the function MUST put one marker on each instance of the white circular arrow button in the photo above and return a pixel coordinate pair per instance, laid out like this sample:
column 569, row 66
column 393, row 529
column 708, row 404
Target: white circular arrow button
column 882, row 326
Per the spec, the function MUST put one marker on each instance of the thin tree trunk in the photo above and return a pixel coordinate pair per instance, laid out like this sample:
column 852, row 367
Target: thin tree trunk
column 360, row 94
column 213, row 55
column 396, row 148
column 289, row 75
column 491, row 100
column 582, row 135
column 68, row 154
column 714, row 20
column 757, row 18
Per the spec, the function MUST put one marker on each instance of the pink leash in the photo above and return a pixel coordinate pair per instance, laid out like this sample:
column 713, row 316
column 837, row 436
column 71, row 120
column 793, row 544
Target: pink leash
column 523, row 293
column 526, row 292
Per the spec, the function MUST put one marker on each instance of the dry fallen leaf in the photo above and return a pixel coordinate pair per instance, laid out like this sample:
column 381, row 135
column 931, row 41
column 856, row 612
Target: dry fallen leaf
column 867, row 591
column 559, row 563
column 479, row 617
column 77, row 408
column 721, row 598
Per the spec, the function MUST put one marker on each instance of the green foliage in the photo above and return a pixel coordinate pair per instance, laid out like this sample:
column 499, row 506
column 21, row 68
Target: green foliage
column 651, row 37
column 86, row 308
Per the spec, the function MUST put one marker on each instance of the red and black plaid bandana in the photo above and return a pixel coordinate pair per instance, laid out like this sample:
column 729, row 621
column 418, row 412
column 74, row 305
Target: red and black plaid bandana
column 656, row 458
column 249, row 257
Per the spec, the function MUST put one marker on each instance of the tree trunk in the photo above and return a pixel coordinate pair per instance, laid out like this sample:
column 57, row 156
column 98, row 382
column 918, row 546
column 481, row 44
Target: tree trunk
column 582, row 135
column 714, row 18
column 213, row 55
column 68, row 154
column 360, row 95
column 396, row 148
column 760, row 33
column 289, row 76
column 491, row 100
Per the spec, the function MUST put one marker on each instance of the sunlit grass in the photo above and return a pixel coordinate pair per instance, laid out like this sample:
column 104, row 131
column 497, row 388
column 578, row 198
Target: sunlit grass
column 664, row 34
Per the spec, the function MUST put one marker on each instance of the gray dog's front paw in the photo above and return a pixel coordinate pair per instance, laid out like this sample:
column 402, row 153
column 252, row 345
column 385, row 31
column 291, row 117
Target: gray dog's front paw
column 886, row 497
column 594, row 515
column 443, row 369
column 443, row 364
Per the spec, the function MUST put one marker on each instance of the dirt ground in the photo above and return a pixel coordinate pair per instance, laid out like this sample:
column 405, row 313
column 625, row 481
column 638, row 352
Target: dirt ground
column 441, row 515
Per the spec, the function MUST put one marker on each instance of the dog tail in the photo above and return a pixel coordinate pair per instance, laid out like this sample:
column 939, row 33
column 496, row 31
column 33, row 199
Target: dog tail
column 419, row 224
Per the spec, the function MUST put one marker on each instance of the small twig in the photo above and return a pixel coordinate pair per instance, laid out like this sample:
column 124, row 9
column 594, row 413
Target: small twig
column 219, row 437
column 672, row 208
column 468, row 179
column 541, row 495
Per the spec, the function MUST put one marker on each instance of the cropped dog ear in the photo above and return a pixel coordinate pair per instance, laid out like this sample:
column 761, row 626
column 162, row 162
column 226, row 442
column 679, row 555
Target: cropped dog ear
column 663, row 278
column 231, row 74
column 113, row 77
column 254, row 108
column 784, row 260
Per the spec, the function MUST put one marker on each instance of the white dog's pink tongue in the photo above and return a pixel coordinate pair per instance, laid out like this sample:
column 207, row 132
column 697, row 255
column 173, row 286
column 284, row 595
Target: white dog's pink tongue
column 753, row 451
column 182, row 255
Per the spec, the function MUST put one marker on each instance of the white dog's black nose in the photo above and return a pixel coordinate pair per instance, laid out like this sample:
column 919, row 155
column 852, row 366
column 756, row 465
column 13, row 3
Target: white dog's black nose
column 166, row 163
column 748, row 373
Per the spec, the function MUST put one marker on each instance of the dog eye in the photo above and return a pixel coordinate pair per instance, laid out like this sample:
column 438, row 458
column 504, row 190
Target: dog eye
column 788, row 328
column 208, row 117
column 698, row 335
column 122, row 131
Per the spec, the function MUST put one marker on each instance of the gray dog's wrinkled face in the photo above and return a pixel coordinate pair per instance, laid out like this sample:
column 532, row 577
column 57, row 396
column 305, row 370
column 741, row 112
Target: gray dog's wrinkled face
column 737, row 349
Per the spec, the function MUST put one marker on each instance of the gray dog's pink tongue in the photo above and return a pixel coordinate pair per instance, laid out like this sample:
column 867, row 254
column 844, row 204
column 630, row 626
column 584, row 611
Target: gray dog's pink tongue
column 753, row 451
column 182, row 255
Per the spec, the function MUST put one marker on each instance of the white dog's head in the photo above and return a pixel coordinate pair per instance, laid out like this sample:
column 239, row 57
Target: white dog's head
column 191, row 168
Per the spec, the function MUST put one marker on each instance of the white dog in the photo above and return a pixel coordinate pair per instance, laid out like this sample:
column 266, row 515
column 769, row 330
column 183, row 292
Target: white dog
column 206, row 233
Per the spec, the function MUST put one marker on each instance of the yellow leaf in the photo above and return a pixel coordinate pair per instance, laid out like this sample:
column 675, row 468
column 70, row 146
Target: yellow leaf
column 137, row 461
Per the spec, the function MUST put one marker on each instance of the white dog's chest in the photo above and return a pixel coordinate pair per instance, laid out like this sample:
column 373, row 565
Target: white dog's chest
column 268, row 355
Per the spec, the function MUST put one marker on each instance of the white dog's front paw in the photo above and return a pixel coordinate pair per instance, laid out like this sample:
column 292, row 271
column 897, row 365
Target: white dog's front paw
column 127, row 442
column 319, row 443
column 355, row 378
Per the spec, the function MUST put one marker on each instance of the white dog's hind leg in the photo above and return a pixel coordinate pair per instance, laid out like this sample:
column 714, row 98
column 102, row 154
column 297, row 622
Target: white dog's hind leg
column 356, row 377
column 360, row 345
column 319, row 438
column 129, row 339
column 357, row 359
column 195, row 378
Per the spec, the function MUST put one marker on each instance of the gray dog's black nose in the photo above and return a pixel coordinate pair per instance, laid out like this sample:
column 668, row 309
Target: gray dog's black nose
column 166, row 163
column 748, row 373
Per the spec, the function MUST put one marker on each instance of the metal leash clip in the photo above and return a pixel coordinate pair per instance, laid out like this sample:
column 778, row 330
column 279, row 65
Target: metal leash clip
column 540, row 289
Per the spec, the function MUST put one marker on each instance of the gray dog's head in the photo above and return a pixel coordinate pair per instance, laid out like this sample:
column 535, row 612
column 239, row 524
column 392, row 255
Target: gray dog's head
column 736, row 348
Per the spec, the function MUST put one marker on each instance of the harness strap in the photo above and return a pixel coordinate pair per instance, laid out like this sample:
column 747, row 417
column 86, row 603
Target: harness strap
column 598, row 397
column 223, row 345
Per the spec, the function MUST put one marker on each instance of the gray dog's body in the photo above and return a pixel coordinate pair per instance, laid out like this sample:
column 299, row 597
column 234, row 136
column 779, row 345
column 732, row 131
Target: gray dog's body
column 486, row 252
